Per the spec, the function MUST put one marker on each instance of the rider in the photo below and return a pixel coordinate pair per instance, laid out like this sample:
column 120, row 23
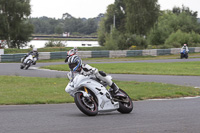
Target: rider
column 75, row 64
column 35, row 54
column 185, row 48
column 71, row 52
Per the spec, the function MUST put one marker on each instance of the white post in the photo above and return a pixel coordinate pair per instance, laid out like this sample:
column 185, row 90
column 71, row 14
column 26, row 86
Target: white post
column 1, row 51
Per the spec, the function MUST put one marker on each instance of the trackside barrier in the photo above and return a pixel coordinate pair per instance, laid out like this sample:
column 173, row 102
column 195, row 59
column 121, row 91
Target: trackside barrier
column 85, row 54
column 44, row 55
column 1, row 51
column 191, row 50
column 58, row 55
column 98, row 54
column 118, row 53
column 163, row 51
column 134, row 53
column 197, row 49
column 175, row 50
column 11, row 57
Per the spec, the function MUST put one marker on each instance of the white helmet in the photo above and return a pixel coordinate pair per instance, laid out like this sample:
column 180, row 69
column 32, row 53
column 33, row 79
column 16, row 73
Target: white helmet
column 74, row 63
column 72, row 51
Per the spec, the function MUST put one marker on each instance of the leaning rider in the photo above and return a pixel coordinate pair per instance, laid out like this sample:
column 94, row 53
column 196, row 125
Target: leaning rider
column 75, row 65
column 71, row 52
column 35, row 55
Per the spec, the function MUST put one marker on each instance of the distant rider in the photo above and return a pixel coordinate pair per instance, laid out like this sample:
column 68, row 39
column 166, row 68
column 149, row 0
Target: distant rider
column 71, row 52
column 35, row 55
column 185, row 48
column 75, row 65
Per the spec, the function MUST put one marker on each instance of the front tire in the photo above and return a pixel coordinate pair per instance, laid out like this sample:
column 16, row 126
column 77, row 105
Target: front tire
column 182, row 56
column 28, row 64
column 21, row 66
column 125, row 107
column 89, row 108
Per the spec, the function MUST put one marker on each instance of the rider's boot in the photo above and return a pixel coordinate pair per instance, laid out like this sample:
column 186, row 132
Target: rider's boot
column 116, row 92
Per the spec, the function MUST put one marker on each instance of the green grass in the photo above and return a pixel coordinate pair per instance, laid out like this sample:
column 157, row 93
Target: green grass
column 103, row 59
column 172, row 68
column 32, row 90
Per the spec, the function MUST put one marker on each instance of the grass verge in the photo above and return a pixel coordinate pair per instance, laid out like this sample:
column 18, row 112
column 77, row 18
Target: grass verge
column 31, row 90
column 171, row 68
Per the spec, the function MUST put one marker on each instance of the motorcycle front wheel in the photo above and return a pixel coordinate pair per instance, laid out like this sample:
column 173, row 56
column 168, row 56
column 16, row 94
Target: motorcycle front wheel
column 126, row 106
column 86, row 104
column 28, row 64
column 21, row 66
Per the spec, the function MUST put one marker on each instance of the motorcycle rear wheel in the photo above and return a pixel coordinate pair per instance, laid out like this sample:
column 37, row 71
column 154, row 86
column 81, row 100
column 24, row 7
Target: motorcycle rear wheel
column 89, row 108
column 125, row 107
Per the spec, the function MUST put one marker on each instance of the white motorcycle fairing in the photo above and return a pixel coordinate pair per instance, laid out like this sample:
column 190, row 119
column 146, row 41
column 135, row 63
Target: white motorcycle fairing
column 105, row 102
column 29, row 58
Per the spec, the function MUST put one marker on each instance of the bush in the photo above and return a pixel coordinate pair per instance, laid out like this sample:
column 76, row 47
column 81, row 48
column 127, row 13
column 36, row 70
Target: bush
column 177, row 39
column 53, row 43
column 136, row 40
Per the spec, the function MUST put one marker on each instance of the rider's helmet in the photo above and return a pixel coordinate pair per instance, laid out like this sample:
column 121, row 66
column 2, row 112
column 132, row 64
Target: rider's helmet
column 72, row 51
column 74, row 63
column 34, row 49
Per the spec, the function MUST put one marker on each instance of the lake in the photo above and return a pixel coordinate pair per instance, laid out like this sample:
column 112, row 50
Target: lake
column 41, row 43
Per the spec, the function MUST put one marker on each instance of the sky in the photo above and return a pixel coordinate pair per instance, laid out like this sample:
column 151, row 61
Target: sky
column 92, row 8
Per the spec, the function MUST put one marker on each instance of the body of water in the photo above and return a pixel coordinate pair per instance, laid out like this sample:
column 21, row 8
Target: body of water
column 41, row 43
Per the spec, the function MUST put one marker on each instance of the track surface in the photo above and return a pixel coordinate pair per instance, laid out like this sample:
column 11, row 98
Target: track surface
column 167, row 116
column 151, row 116
column 13, row 69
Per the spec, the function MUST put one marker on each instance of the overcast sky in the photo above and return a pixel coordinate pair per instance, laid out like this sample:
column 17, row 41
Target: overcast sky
column 92, row 8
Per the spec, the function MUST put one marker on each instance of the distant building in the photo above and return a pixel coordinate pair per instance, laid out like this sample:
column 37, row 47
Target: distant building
column 66, row 34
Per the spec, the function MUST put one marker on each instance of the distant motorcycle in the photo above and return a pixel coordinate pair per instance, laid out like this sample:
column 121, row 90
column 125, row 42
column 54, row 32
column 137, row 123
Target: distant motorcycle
column 27, row 62
column 91, row 96
column 184, row 54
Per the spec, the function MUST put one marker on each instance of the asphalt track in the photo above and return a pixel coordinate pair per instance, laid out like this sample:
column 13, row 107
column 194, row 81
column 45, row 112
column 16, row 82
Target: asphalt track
column 13, row 69
column 150, row 116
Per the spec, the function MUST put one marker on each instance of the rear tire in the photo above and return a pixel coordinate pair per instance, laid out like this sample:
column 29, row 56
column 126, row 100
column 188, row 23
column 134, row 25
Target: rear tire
column 88, row 108
column 125, row 107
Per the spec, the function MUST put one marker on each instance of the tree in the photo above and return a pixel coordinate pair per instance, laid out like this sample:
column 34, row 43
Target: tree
column 132, row 19
column 141, row 15
column 171, row 22
column 13, row 25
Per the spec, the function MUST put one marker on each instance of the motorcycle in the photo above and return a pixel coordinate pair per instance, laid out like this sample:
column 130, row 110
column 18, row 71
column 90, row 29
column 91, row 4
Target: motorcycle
column 184, row 54
column 27, row 62
column 91, row 96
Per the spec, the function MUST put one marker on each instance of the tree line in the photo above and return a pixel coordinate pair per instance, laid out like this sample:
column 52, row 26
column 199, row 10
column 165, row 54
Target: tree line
column 68, row 23
column 140, row 24
column 127, row 24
